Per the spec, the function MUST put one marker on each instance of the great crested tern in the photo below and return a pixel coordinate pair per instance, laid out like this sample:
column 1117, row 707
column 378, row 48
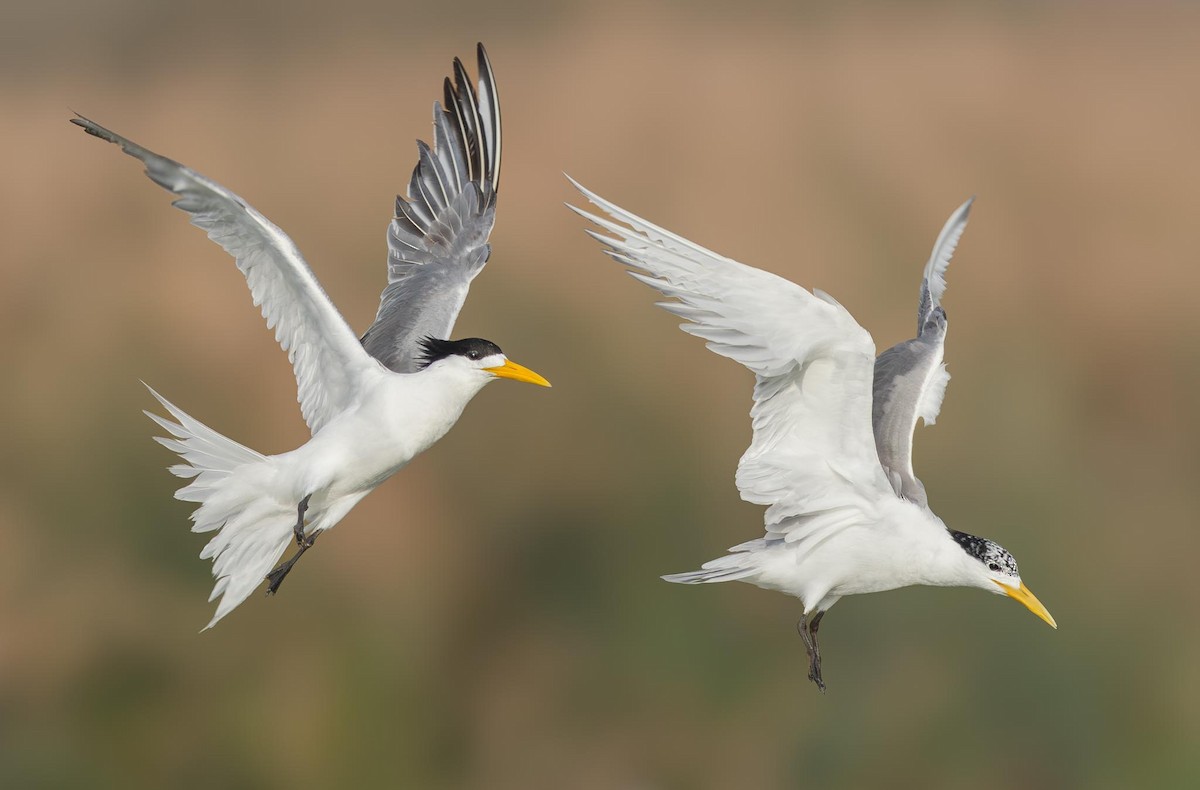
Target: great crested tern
column 372, row 404
column 831, row 454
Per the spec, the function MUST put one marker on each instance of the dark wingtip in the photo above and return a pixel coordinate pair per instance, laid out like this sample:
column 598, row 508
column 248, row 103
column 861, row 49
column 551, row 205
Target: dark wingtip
column 489, row 92
column 97, row 131
column 91, row 127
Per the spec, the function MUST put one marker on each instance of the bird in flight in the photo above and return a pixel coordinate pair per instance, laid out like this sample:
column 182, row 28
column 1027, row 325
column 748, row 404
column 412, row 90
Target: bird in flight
column 372, row 403
column 831, row 455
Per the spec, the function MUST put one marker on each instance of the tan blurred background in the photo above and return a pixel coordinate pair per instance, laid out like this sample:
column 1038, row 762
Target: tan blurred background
column 492, row 617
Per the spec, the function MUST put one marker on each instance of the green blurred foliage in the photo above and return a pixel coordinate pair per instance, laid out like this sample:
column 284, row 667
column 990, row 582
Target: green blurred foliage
column 492, row 617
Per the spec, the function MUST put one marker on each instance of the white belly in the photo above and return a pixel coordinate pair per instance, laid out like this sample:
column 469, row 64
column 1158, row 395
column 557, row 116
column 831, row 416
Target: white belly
column 907, row 545
column 395, row 421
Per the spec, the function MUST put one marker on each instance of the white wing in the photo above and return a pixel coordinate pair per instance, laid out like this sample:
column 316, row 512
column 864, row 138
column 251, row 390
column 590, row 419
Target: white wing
column 327, row 357
column 812, row 451
column 910, row 377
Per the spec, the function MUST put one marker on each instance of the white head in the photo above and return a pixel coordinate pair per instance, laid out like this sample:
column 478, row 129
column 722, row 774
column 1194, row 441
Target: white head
column 474, row 361
column 995, row 569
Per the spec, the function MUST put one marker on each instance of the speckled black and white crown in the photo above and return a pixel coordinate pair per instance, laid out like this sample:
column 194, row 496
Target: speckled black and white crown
column 992, row 554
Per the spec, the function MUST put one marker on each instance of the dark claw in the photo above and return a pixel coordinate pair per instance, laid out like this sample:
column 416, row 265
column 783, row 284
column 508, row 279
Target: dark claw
column 814, row 674
column 275, row 577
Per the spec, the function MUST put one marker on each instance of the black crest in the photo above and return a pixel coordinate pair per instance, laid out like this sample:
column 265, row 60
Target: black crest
column 992, row 554
column 433, row 349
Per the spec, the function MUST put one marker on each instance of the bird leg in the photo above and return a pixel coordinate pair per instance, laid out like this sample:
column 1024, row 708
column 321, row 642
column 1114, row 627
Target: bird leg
column 808, row 632
column 298, row 530
column 276, row 577
column 812, row 630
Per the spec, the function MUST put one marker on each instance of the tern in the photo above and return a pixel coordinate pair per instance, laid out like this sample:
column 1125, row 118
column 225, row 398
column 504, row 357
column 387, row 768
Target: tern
column 372, row 403
column 831, row 454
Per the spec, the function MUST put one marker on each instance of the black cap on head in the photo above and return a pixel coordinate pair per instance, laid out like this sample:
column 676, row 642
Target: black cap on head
column 433, row 349
column 992, row 554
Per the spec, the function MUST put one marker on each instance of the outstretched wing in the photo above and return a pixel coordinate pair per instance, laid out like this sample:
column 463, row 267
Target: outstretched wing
column 812, row 451
column 326, row 356
column 910, row 377
column 437, row 241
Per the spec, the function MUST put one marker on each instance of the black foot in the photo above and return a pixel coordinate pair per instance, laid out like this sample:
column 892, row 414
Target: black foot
column 305, row 542
column 808, row 632
column 814, row 672
column 276, row 577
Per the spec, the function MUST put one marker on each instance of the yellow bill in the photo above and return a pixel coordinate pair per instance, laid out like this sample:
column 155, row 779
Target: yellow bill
column 1030, row 600
column 511, row 370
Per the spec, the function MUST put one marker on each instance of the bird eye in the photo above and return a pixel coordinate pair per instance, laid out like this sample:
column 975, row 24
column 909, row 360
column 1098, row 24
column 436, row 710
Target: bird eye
column 993, row 567
column 473, row 355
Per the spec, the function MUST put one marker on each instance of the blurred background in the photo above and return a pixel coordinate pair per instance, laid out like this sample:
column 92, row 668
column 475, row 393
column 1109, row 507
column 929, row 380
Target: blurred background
column 492, row 616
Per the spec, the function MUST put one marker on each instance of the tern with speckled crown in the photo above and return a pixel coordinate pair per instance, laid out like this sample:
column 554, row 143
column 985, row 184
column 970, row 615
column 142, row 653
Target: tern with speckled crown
column 831, row 454
column 372, row 403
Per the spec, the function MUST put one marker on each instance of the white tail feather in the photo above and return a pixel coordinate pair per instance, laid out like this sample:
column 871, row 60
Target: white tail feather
column 731, row 567
column 254, row 530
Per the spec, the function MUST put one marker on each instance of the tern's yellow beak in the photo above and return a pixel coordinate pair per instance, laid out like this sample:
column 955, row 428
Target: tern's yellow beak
column 511, row 370
column 1030, row 600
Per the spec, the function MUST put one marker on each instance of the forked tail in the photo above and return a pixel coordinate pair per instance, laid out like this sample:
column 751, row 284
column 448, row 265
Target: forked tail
column 228, row 481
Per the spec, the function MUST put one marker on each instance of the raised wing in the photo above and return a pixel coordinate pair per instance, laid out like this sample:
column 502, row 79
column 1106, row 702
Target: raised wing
column 437, row 241
column 933, row 282
column 910, row 377
column 327, row 358
column 812, row 454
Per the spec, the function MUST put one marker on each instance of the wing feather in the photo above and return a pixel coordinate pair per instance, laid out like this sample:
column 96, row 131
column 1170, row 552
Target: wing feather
column 933, row 281
column 448, row 149
column 489, row 117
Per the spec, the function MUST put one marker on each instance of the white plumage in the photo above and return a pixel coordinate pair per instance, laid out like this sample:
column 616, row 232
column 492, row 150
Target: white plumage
column 836, row 523
column 371, row 405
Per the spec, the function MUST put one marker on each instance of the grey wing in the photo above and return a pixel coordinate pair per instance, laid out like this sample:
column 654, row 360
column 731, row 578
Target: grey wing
column 910, row 380
column 910, row 377
column 437, row 242
column 328, row 361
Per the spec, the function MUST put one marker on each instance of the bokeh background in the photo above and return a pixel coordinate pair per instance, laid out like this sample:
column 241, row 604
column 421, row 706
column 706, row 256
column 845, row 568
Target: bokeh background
column 492, row 617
